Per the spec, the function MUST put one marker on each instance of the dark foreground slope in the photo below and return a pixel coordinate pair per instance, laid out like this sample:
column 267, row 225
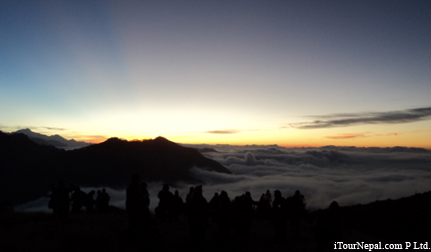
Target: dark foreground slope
column 27, row 169
column 406, row 219
column 389, row 222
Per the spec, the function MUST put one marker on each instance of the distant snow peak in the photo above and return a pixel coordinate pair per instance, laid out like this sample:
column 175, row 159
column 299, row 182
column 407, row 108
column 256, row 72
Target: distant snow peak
column 54, row 140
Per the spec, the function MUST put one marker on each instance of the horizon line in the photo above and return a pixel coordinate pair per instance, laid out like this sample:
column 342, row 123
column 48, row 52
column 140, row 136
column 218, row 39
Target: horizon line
column 97, row 140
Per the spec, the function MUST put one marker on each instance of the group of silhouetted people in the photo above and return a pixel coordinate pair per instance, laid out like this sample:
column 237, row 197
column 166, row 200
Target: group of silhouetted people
column 232, row 217
column 60, row 199
column 170, row 205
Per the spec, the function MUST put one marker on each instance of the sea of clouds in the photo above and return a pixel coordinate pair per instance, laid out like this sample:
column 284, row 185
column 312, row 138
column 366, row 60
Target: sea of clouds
column 348, row 175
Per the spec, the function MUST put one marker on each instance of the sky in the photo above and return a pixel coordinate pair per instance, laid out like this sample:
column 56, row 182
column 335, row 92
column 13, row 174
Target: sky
column 291, row 73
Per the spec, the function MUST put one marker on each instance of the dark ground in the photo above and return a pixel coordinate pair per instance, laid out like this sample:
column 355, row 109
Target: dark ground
column 390, row 221
column 108, row 232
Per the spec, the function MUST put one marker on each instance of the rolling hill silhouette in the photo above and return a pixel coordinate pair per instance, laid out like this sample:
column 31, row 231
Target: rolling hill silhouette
column 28, row 169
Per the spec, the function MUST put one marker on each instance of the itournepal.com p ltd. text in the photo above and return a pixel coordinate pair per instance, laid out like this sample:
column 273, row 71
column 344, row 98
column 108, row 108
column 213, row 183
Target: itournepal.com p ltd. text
column 381, row 246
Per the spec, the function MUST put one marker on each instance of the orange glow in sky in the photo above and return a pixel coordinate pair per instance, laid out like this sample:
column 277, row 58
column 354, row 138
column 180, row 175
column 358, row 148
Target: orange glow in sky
column 285, row 73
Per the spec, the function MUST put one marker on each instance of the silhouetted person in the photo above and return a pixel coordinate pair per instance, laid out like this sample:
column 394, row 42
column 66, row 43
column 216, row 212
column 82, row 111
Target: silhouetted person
column 189, row 196
column 213, row 206
column 296, row 210
column 268, row 196
column 243, row 214
column 78, row 199
column 146, row 201
column 137, row 202
column 60, row 201
column 102, row 201
column 89, row 201
column 198, row 219
column 225, row 217
column 263, row 207
column 279, row 217
column 328, row 230
column 248, row 211
column 98, row 201
column 51, row 198
column 165, row 207
column 178, row 206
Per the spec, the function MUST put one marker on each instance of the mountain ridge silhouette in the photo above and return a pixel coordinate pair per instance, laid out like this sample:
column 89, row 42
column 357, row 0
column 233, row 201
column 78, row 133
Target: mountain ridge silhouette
column 54, row 140
column 28, row 169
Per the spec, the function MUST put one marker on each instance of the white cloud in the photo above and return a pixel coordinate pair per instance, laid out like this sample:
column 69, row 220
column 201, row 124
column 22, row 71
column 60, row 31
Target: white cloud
column 249, row 158
column 347, row 174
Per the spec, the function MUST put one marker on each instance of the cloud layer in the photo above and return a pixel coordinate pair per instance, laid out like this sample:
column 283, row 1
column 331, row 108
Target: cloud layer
column 349, row 175
column 342, row 120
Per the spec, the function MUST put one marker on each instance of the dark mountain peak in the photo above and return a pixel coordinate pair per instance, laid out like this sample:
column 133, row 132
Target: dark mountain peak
column 114, row 140
column 158, row 158
column 140, row 147
column 113, row 143
column 26, row 130
column 28, row 133
column 161, row 139
column 19, row 143
column 55, row 140
column 161, row 143
column 58, row 137
column 27, row 168
column 110, row 163
column 16, row 142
